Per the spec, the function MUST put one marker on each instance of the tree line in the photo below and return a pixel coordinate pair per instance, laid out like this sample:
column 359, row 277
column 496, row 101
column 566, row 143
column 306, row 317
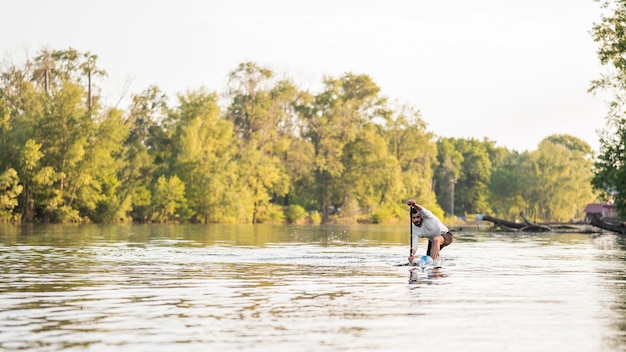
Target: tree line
column 261, row 150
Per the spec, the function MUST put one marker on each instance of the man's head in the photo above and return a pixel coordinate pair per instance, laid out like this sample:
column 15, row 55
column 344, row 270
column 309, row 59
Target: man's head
column 416, row 217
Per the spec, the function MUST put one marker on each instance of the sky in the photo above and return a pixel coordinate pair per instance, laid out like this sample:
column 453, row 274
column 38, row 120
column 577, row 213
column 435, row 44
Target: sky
column 514, row 72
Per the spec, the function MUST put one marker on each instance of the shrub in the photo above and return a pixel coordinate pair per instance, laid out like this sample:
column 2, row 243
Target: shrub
column 295, row 214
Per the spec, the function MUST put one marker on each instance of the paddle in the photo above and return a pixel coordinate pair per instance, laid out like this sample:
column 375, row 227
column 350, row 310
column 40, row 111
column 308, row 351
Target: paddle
column 411, row 234
column 411, row 231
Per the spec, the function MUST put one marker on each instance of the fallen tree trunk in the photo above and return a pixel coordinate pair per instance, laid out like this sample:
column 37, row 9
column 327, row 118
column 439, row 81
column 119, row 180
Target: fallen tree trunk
column 598, row 222
column 527, row 226
column 532, row 227
column 507, row 225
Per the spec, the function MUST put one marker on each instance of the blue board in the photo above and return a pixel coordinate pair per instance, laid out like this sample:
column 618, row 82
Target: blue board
column 423, row 262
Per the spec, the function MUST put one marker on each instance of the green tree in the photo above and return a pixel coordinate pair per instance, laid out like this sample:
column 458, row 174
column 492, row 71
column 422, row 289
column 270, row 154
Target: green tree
column 52, row 133
column 29, row 166
column 561, row 175
column 64, row 134
column 169, row 203
column 146, row 151
column 54, row 128
column 332, row 121
column 415, row 151
column 5, row 133
column 53, row 68
column 473, row 192
column 39, row 198
column 204, row 158
column 508, row 186
column 261, row 110
column 448, row 170
column 372, row 177
column 105, row 200
column 10, row 190
column 465, row 167
column 148, row 115
column 610, row 164
column 21, row 108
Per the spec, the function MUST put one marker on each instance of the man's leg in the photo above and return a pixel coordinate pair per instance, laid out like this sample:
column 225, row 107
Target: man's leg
column 434, row 246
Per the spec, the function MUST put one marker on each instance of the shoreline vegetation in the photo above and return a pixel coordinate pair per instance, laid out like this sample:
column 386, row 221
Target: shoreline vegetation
column 262, row 150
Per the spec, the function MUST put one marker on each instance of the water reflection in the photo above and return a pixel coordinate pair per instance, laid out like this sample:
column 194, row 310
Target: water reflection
column 614, row 256
column 199, row 288
column 427, row 276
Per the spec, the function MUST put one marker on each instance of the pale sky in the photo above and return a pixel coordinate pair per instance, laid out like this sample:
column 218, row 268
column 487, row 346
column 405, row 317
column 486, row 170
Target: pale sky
column 513, row 71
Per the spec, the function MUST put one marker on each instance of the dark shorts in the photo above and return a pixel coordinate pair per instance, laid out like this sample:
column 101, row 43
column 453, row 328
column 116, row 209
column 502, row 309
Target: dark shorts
column 447, row 239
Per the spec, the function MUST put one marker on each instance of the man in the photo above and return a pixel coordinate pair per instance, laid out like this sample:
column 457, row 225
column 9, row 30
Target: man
column 425, row 224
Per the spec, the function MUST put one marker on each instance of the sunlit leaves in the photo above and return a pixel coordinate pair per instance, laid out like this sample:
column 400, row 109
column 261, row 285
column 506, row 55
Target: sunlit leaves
column 609, row 168
column 332, row 121
column 204, row 157
column 269, row 152
column 10, row 190
column 261, row 110
column 169, row 201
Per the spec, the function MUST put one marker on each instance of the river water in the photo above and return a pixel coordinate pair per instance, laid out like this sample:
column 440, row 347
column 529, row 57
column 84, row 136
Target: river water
column 305, row 288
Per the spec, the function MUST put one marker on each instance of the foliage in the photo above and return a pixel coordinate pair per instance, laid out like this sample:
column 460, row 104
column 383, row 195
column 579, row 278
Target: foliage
column 610, row 165
column 261, row 112
column 465, row 167
column 10, row 189
column 332, row 121
column 270, row 213
column 414, row 148
column 169, row 203
column 561, row 175
column 508, row 186
column 269, row 152
column 389, row 214
column 203, row 156
column 549, row 184
column 295, row 214
column 316, row 218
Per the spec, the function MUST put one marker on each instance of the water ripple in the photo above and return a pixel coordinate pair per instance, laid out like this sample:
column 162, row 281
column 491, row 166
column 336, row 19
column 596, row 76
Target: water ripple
column 493, row 293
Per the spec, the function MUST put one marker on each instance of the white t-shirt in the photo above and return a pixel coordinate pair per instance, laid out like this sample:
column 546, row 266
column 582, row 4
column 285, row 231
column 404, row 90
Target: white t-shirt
column 431, row 227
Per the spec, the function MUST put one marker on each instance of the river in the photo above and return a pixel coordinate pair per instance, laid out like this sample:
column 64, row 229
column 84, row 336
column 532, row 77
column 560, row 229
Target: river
column 305, row 288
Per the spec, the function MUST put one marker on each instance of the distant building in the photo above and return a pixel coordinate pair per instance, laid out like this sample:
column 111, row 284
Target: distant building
column 606, row 211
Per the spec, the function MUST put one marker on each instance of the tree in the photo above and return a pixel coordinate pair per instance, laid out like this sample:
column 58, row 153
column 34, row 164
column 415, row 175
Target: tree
column 332, row 121
column 169, row 203
column 261, row 111
column 610, row 168
column 146, row 150
column 448, row 171
column 10, row 190
column 64, row 135
column 561, row 176
column 53, row 68
column 6, row 135
column 416, row 153
column 106, row 200
column 465, row 169
column 610, row 164
column 204, row 158
column 39, row 198
column 21, row 109
column 147, row 115
column 372, row 177
column 509, row 185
